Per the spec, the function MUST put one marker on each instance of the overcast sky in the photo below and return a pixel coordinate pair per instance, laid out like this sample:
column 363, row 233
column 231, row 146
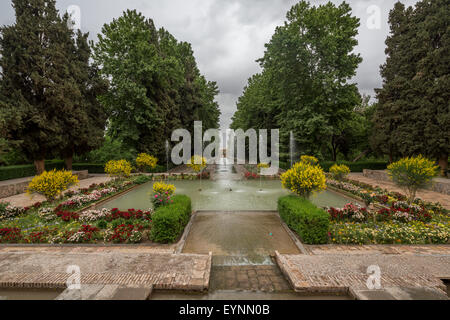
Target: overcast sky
column 229, row 35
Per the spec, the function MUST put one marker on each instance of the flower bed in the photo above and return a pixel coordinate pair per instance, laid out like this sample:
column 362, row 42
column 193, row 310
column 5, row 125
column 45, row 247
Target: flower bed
column 251, row 172
column 389, row 232
column 381, row 196
column 68, row 221
column 64, row 221
column 401, row 223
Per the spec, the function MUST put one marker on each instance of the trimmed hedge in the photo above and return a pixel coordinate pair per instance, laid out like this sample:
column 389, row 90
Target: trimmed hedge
column 307, row 220
column 91, row 167
column 168, row 222
column 28, row 170
column 354, row 166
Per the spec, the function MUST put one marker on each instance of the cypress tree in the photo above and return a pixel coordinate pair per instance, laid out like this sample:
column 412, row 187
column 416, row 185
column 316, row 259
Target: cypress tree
column 413, row 114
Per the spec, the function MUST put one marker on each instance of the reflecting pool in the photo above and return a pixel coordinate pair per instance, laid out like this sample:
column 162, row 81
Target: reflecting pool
column 224, row 195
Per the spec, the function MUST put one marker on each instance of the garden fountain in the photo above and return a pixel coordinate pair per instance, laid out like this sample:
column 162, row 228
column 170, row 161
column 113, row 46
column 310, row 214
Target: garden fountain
column 292, row 147
column 167, row 156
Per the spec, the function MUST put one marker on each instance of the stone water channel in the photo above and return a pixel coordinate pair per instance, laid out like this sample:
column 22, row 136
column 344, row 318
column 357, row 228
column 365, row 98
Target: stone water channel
column 242, row 242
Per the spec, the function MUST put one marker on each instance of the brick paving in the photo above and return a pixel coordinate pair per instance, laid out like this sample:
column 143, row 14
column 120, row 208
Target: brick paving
column 341, row 272
column 158, row 270
column 378, row 249
column 426, row 195
column 252, row 278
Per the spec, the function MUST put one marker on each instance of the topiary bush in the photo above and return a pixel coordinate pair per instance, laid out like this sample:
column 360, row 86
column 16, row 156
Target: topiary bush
column 307, row 220
column 168, row 222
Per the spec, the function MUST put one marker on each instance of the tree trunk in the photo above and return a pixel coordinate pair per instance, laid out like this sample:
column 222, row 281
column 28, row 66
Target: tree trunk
column 443, row 163
column 68, row 161
column 40, row 166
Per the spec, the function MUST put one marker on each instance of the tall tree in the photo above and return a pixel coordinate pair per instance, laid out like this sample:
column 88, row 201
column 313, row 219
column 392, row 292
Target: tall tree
column 84, row 130
column 307, row 67
column 47, row 87
column 413, row 114
column 35, row 80
column 156, row 86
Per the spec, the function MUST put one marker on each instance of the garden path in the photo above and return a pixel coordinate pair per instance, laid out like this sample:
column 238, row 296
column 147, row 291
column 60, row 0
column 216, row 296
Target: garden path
column 425, row 195
column 26, row 200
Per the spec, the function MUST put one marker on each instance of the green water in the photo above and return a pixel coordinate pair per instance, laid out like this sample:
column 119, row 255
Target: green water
column 224, row 195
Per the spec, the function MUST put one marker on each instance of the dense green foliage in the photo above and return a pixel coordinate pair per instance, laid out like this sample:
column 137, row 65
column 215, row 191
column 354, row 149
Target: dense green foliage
column 305, row 83
column 48, row 88
column 28, row 170
column 156, row 86
column 302, row 216
column 168, row 222
column 413, row 113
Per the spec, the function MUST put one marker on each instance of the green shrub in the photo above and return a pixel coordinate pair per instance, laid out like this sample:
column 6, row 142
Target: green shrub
column 102, row 224
column 28, row 170
column 91, row 167
column 356, row 166
column 339, row 172
column 302, row 216
column 413, row 173
column 168, row 222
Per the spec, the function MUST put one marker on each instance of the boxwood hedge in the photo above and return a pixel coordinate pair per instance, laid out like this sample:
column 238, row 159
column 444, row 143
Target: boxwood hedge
column 307, row 220
column 168, row 222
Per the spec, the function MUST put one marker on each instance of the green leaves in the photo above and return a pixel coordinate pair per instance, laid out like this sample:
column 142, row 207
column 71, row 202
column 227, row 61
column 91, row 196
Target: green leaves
column 413, row 114
column 155, row 84
column 304, row 86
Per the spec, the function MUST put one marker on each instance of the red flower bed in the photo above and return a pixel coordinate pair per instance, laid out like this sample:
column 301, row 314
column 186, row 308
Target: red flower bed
column 124, row 232
column 67, row 216
column 10, row 235
column 130, row 214
column 250, row 175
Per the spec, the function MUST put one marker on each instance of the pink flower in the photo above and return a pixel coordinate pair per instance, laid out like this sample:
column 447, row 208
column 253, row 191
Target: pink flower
column 156, row 196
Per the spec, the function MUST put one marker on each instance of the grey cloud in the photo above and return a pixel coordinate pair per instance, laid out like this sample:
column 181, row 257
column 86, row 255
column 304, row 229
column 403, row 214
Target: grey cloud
column 228, row 36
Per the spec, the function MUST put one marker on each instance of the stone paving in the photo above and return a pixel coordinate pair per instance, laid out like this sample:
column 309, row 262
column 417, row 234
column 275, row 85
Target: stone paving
column 426, row 195
column 342, row 272
column 158, row 270
column 26, row 200
column 378, row 249
column 255, row 278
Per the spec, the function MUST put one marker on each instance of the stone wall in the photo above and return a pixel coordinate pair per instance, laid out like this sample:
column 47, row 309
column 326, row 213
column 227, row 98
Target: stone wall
column 441, row 185
column 18, row 186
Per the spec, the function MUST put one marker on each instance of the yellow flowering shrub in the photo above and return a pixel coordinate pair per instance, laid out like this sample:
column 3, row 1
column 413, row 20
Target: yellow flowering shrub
column 413, row 173
column 163, row 188
column 309, row 159
column 145, row 160
column 52, row 183
column 263, row 165
column 118, row 168
column 304, row 179
column 339, row 172
column 197, row 163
